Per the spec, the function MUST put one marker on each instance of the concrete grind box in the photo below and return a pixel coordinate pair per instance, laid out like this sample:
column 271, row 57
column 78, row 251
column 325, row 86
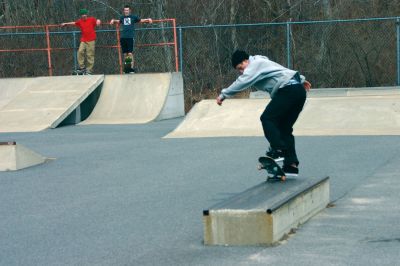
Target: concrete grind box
column 264, row 226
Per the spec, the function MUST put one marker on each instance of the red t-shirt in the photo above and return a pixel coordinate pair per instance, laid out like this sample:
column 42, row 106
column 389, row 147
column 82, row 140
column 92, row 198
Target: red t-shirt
column 87, row 27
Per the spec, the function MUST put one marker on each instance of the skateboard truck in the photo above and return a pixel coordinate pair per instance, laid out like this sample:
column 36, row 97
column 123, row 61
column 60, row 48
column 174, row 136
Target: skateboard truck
column 275, row 172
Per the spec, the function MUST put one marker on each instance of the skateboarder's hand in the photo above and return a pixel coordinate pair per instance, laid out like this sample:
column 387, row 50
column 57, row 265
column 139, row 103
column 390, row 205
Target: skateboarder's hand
column 219, row 100
column 307, row 85
column 98, row 22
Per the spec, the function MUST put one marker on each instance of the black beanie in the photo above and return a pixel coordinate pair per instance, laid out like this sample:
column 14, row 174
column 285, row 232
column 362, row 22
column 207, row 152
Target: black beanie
column 238, row 57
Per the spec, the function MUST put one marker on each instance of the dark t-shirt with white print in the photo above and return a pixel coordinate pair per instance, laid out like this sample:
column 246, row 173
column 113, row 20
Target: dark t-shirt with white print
column 128, row 26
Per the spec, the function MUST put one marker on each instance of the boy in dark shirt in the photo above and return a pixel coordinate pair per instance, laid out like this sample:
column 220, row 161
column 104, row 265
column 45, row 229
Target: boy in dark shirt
column 128, row 32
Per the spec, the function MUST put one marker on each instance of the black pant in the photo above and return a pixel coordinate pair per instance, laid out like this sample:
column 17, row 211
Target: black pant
column 279, row 117
column 126, row 45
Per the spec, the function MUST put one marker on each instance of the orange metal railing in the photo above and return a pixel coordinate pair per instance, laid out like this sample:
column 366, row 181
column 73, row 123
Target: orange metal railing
column 49, row 48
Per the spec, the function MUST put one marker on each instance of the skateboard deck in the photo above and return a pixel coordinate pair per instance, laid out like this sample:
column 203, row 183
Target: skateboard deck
column 275, row 172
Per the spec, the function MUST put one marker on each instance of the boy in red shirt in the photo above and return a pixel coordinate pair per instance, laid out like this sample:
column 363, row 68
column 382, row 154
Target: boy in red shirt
column 87, row 26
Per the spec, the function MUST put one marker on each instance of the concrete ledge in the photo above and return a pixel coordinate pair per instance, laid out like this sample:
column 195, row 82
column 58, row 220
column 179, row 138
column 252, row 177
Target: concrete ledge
column 264, row 214
column 339, row 92
column 15, row 157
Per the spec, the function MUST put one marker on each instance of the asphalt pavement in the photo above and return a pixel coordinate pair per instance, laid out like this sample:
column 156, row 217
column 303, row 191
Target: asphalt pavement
column 123, row 195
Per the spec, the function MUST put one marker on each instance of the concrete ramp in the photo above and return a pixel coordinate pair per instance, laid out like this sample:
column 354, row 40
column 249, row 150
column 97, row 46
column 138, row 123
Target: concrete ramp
column 358, row 115
column 350, row 115
column 238, row 117
column 11, row 87
column 138, row 98
column 15, row 157
column 44, row 102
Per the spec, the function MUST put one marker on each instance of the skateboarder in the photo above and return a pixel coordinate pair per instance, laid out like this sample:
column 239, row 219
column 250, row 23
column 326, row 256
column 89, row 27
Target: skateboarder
column 87, row 26
column 287, row 89
column 128, row 34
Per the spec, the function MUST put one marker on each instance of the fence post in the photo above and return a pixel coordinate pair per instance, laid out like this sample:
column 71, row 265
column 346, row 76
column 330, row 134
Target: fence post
column 398, row 50
column 180, row 50
column 288, row 48
column 48, row 50
column 119, row 48
column 175, row 46
column 75, row 51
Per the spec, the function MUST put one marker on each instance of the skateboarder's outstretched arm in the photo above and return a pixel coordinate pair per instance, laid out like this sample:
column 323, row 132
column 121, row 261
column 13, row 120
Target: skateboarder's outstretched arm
column 112, row 21
column 68, row 24
column 73, row 23
column 221, row 97
column 244, row 81
column 146, row 20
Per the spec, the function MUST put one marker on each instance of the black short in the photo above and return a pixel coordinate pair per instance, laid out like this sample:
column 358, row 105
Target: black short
column 126, row 45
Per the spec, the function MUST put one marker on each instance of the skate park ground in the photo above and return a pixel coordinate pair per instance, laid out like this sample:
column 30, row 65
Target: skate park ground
column 123, row 195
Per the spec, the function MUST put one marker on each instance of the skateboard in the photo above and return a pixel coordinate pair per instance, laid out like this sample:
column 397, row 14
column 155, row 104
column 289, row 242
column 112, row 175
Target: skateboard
column 128, row 66
column 275, row 172
column 78, row 72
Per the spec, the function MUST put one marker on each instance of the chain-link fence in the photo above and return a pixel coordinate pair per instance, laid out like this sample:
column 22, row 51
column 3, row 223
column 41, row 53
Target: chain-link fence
column 339, row 53
column 52, row 50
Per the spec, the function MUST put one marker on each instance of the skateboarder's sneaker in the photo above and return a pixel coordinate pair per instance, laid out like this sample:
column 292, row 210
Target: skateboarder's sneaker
column 88, row 72
column 277, row 155
column 290, row 170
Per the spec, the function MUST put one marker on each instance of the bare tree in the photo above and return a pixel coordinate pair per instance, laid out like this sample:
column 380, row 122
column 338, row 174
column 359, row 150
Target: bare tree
column 367, row 51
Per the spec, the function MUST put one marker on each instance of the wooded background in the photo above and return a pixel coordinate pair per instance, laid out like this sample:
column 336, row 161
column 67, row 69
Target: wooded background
column 335, row 54
column 200, row 12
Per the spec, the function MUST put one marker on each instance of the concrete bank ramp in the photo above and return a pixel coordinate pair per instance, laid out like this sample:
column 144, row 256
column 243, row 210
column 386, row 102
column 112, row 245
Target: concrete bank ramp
column 11, row 87
column 359, row 115
column 239, row 117
column 138, row 98
column 42, row 102
column 15, row 157
column 350, row 115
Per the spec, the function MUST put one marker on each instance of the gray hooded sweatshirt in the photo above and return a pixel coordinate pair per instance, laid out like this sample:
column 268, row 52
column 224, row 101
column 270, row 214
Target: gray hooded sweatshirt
column 263, row 74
